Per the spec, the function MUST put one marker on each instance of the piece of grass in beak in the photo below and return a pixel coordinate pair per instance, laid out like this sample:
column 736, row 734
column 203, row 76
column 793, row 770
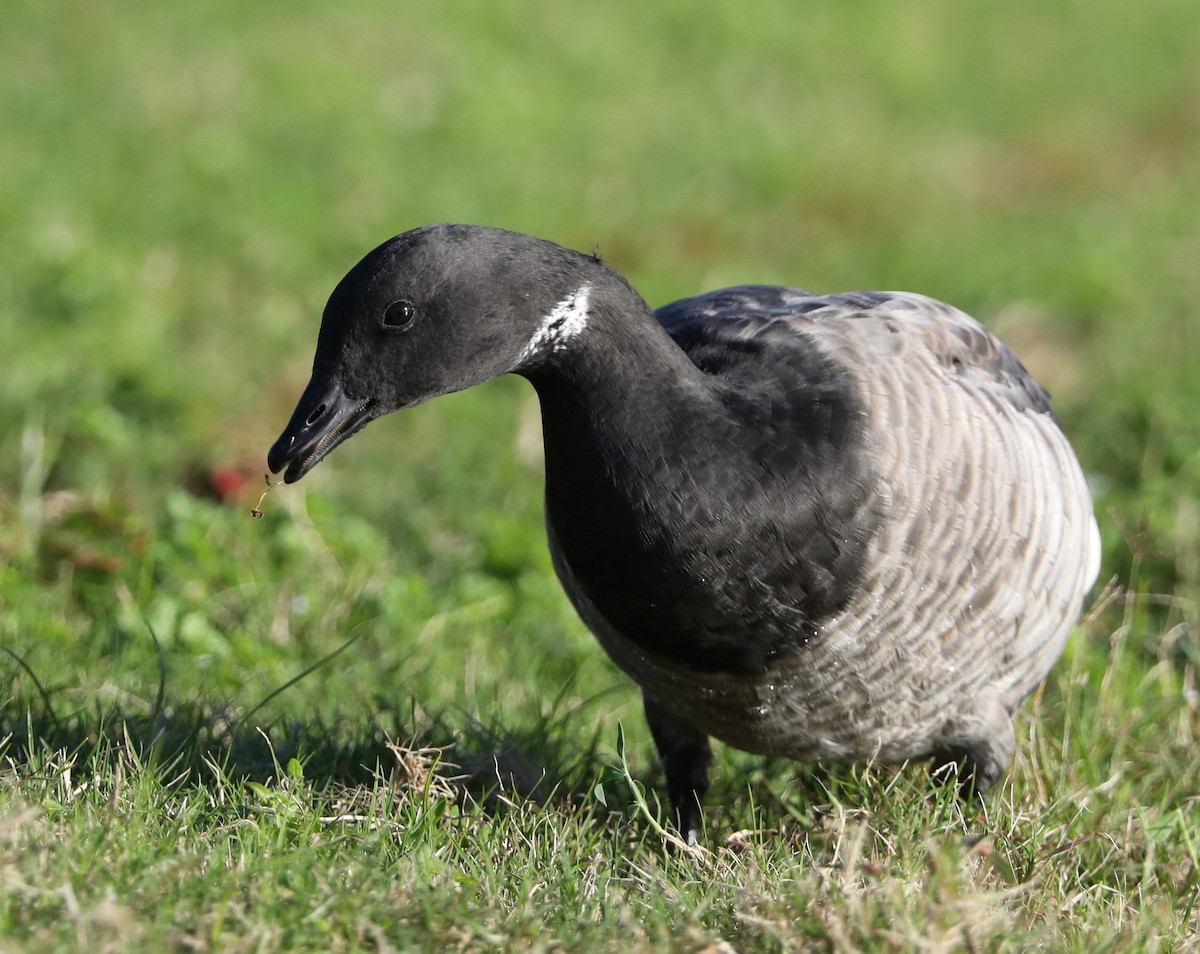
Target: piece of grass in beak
column 256, row 510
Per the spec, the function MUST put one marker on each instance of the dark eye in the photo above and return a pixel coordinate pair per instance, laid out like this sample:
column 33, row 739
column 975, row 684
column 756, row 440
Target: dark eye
column 399, row 314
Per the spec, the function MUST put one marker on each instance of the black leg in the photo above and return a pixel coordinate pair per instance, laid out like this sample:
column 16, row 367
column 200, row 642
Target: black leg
column 685, row 755
column 976, row 748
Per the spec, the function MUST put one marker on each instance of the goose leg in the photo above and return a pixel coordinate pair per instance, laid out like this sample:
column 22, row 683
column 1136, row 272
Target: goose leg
column 975, row 749
column 686, row 756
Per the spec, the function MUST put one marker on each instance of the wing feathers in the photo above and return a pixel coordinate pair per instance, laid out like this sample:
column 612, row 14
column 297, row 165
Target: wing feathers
column 989, row 543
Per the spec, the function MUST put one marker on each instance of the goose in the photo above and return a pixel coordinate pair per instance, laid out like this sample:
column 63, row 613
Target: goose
column 841, row 527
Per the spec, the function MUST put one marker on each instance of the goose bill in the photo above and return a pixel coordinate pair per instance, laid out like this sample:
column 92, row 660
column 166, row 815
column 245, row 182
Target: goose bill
column 323, row 419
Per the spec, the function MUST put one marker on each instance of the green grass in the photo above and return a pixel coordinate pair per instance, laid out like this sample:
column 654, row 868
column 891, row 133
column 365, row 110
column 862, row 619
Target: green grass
column 370, row 720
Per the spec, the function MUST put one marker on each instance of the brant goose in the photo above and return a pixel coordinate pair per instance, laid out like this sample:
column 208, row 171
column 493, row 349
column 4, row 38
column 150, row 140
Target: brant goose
column 841, row 527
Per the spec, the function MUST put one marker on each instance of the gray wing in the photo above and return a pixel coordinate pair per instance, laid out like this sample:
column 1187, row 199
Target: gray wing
column 856, row 326
column 990, row 543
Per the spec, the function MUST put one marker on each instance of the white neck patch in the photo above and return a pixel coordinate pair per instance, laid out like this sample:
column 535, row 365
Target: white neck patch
column 566, row 320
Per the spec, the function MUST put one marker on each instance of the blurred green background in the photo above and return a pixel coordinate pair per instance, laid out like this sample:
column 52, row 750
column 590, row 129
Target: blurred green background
column 182, row 185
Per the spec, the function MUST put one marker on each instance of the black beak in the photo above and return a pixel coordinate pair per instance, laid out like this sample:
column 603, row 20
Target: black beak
column 323, row 418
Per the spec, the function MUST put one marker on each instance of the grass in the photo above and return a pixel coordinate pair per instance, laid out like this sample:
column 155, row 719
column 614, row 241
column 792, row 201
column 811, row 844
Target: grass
column 370, row 720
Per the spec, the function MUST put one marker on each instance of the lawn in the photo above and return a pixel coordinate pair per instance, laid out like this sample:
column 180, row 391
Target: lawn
column 370, row 720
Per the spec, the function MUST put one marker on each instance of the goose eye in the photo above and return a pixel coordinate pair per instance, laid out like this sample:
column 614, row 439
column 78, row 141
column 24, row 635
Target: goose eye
column 399, row 314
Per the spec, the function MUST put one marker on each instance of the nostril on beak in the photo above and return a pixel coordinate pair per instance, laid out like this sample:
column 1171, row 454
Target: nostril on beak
column 315, row 416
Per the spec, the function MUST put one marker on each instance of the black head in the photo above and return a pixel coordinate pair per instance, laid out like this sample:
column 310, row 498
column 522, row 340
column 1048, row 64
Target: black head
column 432, row 311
